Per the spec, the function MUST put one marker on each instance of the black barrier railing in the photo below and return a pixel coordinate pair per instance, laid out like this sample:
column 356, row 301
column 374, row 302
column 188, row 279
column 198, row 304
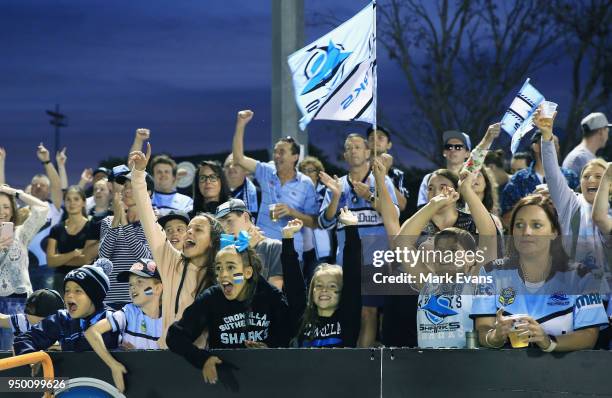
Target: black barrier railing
column 348, row 373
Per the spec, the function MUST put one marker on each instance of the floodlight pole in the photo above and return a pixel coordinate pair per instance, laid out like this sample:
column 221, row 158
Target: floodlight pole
column 287, row 37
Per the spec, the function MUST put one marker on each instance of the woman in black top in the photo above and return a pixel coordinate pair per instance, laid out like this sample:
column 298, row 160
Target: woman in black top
column 333, row 312
column 74, row 241
column 241, row 310
column 210, row 188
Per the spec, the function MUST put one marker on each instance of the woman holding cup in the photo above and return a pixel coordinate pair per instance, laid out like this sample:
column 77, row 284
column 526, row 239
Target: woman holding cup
column 535, row 295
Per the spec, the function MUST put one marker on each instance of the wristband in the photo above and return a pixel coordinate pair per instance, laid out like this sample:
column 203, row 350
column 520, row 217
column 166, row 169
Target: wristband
column 45, row 162
column 16, row 194
column 553, row 344
column 372, row 198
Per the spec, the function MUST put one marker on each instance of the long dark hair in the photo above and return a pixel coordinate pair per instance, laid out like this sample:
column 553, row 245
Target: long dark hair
column 490, row 199
column 215, row 244
column 224, row 194
column 560, row 259
column 452, row 177
column 309, row 319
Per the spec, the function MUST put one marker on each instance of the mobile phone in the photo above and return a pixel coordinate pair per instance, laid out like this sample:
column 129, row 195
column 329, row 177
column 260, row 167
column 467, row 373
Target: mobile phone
column 6, row 230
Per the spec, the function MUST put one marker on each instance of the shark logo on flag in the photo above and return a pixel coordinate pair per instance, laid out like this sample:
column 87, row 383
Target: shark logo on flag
column 334, row 77
column 518, row 119
column 323, row 65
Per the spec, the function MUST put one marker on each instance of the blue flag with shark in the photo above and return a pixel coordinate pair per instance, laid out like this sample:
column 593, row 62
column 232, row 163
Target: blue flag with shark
column 518, row 119
column 334, row 76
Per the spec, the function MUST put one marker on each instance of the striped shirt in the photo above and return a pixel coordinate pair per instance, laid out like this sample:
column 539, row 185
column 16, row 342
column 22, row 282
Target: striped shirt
column 19, row 324
column 136, row 328
column 370, row 225
column 123, row 245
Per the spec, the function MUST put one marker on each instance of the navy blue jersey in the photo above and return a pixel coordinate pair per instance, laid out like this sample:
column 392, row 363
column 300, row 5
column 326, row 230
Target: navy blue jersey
column 61, row 327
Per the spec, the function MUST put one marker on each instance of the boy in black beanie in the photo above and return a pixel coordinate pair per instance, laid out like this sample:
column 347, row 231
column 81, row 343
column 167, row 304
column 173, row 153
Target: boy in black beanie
column 84, row 291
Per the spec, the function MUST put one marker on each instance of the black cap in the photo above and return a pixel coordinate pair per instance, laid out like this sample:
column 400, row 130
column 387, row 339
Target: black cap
column 173, row 215
column 144, row 267
column 128, row 177
column 379, row 129
column 102, row 170
column 43, row 302
column 231, row 205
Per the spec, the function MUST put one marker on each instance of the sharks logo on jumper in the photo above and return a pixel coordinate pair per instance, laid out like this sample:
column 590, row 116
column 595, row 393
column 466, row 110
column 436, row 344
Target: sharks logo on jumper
column 324, row 65
column 239, row 321
column 507, row 295
column 558, row 299
column 438, row 308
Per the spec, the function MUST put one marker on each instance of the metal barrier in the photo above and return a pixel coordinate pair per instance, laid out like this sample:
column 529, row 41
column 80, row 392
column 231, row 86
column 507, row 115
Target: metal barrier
column 30, row 359
column 361, row 373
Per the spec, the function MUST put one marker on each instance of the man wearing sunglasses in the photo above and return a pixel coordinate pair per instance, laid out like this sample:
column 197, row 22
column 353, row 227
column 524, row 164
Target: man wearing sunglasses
column 456, row 150
column 285, row 192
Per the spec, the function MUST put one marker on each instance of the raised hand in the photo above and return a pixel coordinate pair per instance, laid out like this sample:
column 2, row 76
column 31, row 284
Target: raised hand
column 362, row 190
column 466, row 181
column 2, row 154
column 87, row 176
column 346, row 217
column 292, row 227
column 7, row 190
column 42, row 153
column 333, row 184
column 143, row 134
column 61, row 157
column 492, row 133
column 545, row 124
column 138, row 160
column 447, row 197
column 244, row 117
column 379, row 169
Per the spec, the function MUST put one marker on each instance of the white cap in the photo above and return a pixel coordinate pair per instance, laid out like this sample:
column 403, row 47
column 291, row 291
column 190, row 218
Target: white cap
column 594, row 121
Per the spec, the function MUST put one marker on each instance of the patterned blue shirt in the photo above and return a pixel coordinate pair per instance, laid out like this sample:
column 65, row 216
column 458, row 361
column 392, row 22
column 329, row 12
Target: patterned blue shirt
column 247, row 192
column 370, row 225
column 525, row 182
column 298, row 193
column 166, row 202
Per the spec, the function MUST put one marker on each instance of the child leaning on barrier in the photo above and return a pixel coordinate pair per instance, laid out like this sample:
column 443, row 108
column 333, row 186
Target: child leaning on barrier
column 332, row 317
column 241, row 310
column 39, row 305
column 84, row 291
column 139, row 323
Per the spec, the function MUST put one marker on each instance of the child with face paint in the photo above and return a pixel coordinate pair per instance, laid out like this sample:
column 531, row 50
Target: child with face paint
column 332, row 317
column 242, row 310
column 139, row 323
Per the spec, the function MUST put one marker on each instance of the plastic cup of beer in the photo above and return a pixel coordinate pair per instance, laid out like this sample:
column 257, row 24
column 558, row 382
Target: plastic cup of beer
column 548, row 109
column 516, row 340
column 273, row 217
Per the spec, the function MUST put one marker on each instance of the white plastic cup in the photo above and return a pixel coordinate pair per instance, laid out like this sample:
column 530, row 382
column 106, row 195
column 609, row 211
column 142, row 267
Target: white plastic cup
column 548, row 109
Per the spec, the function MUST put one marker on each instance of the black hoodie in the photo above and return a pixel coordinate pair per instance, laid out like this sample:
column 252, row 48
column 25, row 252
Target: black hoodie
column 265, row 318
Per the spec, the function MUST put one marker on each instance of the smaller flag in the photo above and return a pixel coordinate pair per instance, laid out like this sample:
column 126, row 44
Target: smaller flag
column 518, row 119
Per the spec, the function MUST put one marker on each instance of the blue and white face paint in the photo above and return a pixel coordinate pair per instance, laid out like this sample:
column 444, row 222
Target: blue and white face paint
column 238, row 278
column 148, row 291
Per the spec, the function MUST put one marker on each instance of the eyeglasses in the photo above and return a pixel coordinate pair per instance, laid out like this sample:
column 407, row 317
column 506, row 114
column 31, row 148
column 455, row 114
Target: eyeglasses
column 209, row 178
column 456, row 147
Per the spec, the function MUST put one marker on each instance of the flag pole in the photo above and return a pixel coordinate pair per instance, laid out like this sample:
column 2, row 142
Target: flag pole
column 374, row 86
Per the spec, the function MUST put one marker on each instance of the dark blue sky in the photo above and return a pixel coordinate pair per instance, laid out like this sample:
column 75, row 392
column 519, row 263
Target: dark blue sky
column 181, row 68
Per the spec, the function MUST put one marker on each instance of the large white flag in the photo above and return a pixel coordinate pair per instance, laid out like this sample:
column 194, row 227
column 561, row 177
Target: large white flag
column 334, row 77
column 518, row 120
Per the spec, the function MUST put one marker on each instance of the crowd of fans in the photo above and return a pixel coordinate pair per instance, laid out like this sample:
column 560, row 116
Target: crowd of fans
column 274, row 254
